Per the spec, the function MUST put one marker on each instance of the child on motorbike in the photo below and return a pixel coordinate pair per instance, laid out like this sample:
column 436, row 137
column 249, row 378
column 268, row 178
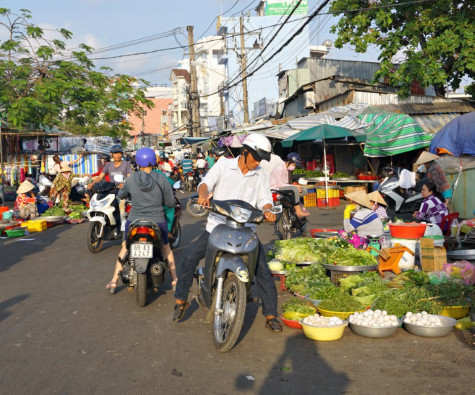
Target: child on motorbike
column 149, row 192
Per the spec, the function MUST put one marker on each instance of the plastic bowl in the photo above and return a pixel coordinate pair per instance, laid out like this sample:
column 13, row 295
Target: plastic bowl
column 456, row 312
column 291, row 323
column 407, row 231
column 323, row 333
column 292, row 315
column 371, row 331
column 432, row 331
column 340, row 314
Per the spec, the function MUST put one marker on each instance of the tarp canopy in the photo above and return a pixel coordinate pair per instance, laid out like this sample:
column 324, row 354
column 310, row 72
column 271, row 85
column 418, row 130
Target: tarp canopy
column 320, row 132
column 389, row 134
column 457, row 137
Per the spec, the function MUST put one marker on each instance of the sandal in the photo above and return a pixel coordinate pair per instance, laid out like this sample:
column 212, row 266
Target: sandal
column 111, row 287
column 179, row 310
column 273, row 325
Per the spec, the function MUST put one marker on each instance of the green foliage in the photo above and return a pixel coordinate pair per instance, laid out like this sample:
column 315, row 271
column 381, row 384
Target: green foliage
column 437, row 38
column 43, row 84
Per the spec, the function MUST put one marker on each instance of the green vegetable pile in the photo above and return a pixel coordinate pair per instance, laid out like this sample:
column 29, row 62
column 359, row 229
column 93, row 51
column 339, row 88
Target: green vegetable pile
column 344, row 302
column 298, row 305
column 340, row 174
column 305, row 280
column 329, row 251
column 54, row 211
column 308, row 173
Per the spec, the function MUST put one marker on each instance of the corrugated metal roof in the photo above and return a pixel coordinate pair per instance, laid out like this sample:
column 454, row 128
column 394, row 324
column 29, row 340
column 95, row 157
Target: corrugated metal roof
column 432, row 123
column 428, row 108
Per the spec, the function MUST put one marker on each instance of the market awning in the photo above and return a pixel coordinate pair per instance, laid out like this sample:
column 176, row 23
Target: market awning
column 457, row 137
column 193, row 140
column 389, row 134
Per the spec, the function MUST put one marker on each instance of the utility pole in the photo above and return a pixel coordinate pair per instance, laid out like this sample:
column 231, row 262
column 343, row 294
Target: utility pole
column 243, row 73
column 195, row 100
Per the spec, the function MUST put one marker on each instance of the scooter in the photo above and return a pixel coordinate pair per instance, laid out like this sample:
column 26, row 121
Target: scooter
column 401, row 203
column 190, row 182
column 230, row 263
column 288, row 224
column 144, row 266
column 105, row 221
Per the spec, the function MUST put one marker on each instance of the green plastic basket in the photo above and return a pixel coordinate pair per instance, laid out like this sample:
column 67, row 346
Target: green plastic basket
column 15, row 232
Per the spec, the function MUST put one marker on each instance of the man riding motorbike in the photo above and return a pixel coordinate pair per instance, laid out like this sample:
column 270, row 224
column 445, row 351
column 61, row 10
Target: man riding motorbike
column 241, row 178
column 281, row 178
column 149, row 192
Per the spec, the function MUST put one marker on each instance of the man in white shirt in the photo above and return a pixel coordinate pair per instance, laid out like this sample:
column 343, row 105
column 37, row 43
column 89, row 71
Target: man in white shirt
column 201, row 163
column 241, row 178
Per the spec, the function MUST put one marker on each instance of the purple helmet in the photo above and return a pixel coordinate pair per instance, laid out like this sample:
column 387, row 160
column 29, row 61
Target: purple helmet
column 145, row 157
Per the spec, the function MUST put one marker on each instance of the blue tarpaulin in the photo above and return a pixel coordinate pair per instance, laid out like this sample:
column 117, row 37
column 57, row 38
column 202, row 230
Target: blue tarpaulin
column 457, row 137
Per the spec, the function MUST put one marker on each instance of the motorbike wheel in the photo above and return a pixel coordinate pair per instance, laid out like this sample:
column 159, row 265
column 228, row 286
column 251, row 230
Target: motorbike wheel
column 176, row 238
column 94, row 242
column 195, row 210
column 141, row 289
column 228, row 323
column 188, row 186
column 284, row 226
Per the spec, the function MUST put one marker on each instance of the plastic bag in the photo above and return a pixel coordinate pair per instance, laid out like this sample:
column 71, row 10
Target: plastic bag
column 461, row 269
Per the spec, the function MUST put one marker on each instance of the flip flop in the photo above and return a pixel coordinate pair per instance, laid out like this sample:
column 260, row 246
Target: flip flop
column 111, row 287
column 179, row 310
column 273, row 325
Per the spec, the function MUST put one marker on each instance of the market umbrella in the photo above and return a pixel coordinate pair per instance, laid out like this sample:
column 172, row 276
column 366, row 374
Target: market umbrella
column 323, row 132
column 456, row 138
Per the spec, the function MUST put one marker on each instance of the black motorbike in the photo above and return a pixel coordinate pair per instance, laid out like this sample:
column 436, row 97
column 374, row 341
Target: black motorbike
column 288, row 224
column 401, row 202
column 144, row 265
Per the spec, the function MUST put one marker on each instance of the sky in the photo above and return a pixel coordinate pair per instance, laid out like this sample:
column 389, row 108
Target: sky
column 105, row 23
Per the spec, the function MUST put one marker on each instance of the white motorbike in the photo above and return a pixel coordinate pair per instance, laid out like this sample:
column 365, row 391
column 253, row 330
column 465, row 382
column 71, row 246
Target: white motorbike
column 105, row 221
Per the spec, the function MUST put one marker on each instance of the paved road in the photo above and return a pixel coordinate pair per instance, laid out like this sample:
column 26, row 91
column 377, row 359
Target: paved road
column 60, row 332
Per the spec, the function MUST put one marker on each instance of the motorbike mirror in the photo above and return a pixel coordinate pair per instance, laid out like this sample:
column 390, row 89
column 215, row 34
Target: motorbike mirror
column 119, row 178
column 276, row 210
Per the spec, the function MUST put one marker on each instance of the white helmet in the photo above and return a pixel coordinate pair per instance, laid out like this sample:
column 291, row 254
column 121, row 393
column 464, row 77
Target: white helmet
column 259, row 144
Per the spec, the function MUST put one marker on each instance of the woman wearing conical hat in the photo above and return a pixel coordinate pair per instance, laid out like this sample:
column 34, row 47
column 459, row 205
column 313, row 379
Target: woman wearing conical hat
column 25, row 203
column 435, row 173
column 365, row 221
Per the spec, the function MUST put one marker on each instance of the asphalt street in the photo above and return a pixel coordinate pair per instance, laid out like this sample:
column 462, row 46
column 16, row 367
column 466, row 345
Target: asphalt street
column 62, row 333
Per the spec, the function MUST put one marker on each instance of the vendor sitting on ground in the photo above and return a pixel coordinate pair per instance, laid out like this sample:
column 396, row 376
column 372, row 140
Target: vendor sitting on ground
column 433, row 208
column 378, row 203
column 25, row 203
column 62, row 186
column 281, row 178
column 365, row 221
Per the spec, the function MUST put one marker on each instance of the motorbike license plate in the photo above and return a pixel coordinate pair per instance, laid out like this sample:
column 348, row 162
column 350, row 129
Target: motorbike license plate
column 190, row 178
column 141, row 250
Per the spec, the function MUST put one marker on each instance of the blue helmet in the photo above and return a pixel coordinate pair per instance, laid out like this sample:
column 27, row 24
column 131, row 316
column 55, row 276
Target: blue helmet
column 294, row 157
column 116, row 148
column 145, row 157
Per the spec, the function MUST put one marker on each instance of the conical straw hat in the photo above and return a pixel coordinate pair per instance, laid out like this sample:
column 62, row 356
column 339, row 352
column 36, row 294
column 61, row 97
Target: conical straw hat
column 65, row 169
column 425, row 157
column 376, row 197
column 360, row 197
column 25, row 187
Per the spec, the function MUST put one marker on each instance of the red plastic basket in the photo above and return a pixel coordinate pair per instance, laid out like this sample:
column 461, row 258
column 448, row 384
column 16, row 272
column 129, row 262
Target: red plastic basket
column 291, row 323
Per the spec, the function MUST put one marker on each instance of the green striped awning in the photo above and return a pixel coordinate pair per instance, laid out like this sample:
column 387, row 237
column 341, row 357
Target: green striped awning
column 389, row 134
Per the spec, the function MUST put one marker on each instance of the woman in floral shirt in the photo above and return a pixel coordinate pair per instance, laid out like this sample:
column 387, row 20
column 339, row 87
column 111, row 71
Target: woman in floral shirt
column 62, row 186
column 25, row 203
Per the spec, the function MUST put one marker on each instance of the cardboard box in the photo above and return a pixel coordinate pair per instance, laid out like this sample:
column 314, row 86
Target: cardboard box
column 432, row 260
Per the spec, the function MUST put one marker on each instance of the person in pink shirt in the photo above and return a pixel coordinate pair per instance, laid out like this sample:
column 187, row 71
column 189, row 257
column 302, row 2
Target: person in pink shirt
column 281, row 178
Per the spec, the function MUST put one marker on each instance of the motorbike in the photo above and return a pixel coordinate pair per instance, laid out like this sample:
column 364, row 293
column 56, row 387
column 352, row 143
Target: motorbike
column 288, row 224
column 190, row 182
column 105, row 222
column 401, row 203
column 229, row 267
column 194, row 209
column 144, row 266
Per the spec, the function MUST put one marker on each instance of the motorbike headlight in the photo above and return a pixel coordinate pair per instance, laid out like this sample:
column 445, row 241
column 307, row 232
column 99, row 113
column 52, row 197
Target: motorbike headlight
column 97, row 205
column 240, row 214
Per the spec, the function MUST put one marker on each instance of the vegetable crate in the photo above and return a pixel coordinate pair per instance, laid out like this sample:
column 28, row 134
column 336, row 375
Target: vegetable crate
column 37, row 225
column 337, row 275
